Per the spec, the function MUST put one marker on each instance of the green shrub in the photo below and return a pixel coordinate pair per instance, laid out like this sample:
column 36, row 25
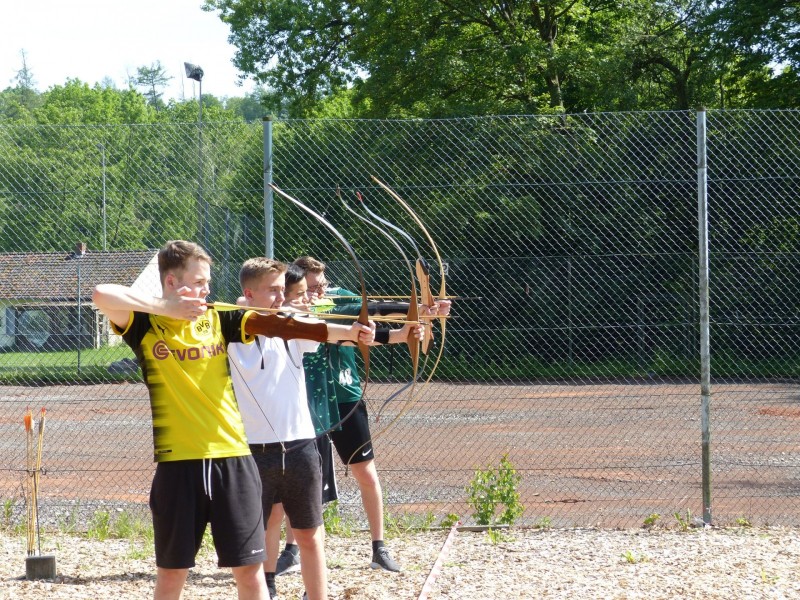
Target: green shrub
column 494, row 490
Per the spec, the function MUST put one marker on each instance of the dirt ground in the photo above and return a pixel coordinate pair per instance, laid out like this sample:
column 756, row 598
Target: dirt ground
column 602, row 454
column 717, row 564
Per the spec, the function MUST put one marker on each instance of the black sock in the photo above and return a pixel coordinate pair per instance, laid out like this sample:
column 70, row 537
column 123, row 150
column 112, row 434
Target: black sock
column 270, row 577
column 292, row 548
column 377, row 544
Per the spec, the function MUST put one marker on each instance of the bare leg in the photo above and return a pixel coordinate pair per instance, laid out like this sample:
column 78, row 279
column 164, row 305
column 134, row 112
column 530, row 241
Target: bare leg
column 312, row 561
column 250, row 583
column 289, row 533
column 366, row 475
column 169, row 583
column 272, row 537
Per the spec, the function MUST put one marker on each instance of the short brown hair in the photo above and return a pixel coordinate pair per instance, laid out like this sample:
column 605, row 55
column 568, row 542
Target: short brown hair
column 310, row 264
column 174, row 255
column 254, row 269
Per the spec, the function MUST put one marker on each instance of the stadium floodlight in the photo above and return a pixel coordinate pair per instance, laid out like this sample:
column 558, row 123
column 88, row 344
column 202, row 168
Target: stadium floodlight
column 193, row 71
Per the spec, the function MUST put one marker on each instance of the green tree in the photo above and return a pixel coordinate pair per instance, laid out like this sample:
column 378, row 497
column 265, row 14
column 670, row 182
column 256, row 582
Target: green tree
column 248, row 107
column 76, row 103
column 16, row 103
column 759, row 41
column 434, row 58
column 153, row 79
column 411, row 57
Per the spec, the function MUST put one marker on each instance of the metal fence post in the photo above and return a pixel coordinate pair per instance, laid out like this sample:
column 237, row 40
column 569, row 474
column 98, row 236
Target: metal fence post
column 705, row 350
column 269, row 216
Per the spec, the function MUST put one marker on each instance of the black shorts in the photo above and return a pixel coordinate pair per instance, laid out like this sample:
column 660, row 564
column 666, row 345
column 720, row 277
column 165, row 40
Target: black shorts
column 188, row 494
column 353, row 442
column 293, row 478
column 329, row 491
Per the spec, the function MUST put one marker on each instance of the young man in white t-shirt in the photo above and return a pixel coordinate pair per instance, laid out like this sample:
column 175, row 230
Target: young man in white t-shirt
column 270, row 389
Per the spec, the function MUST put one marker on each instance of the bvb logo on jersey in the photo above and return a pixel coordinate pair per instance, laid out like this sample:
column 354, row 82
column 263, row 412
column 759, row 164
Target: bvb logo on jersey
column 201, row 328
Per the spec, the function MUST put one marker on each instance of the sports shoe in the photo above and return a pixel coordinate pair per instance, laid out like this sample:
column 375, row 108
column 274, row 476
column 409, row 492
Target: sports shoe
column 273, row 591
column 381, row 559
column 288, row 562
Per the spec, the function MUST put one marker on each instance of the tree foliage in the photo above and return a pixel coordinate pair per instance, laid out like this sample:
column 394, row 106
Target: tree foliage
column 450, row 58
column 153, row 79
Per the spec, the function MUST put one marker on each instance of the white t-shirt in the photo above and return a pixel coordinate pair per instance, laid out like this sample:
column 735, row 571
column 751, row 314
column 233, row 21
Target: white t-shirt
column 279, row 411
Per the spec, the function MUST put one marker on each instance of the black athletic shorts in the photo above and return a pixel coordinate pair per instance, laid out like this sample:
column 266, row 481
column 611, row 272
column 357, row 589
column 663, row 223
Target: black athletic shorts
column 188, row 494
column 293, row 478
column 329, row 491
column 353, row 442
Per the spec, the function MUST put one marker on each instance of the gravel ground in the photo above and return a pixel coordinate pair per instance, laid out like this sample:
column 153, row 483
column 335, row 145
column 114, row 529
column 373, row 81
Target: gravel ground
column 573, row 563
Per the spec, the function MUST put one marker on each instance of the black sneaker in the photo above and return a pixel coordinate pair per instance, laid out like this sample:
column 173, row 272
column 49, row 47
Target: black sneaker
column 381, row 559
column 288, row 562
column 273, row 592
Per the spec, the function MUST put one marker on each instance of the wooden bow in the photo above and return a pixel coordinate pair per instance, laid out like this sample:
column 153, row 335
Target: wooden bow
column 442, row 288
column 422, row 270
column 413, row 308
column 413, row 311
column 363, row 315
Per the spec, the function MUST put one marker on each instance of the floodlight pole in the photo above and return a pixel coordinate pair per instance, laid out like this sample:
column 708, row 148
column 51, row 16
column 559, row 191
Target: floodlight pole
column 196, row 73
column 203, row 201
column 102, row 149
column 705, row 315
column 78, row 254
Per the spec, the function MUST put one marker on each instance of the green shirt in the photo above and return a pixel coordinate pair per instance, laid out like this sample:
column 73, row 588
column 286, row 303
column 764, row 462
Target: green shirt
column 342, row 364
column 320, row 390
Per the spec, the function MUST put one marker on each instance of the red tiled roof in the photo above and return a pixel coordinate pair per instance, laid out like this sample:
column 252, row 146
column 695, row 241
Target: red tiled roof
column 54, row 276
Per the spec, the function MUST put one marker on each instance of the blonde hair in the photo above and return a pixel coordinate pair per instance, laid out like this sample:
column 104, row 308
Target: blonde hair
column 175, row 254
column 254, row 269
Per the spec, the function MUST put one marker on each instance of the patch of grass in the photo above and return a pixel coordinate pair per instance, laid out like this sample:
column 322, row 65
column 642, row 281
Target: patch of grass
column 631, row 558
column 62, row 367
column 138, row 550
column 449, row 520
column 684, row 521
column 497, row 536
column 99, row 527
column 8, row 513
column 405, row 522
column 68, row 524
column 335, row 522
column 335, row 562
column 207, row 545
column 543, row 523
column 128, row 526
column 743, row 522
column 768, row 578
column 651, row 520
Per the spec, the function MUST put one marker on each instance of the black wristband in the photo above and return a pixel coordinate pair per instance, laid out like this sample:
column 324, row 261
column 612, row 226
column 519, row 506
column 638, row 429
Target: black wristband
column 382, row 335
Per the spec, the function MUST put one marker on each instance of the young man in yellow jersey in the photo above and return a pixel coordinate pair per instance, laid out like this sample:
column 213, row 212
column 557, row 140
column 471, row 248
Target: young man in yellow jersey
column 205, row 472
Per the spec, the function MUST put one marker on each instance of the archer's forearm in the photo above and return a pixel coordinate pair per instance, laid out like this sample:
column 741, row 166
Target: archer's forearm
column 110, row 297
column 387, row 335
column 340, row 333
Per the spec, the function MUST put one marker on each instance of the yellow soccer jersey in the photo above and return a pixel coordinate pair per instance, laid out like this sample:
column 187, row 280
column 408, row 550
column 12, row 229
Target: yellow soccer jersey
column 185, row 367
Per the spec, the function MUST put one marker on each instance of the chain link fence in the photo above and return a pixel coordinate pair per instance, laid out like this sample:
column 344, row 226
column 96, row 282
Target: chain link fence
column 574, row 344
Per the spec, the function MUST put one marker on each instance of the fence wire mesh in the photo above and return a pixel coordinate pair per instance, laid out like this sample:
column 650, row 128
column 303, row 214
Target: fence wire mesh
column 573, row 348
